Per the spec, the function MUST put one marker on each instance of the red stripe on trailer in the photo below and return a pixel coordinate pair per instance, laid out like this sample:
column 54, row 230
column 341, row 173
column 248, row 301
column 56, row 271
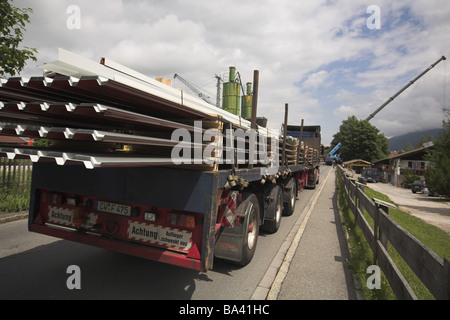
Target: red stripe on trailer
column 151, row 253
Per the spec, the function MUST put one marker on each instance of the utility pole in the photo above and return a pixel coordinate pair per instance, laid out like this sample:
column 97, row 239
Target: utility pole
column 219, row 79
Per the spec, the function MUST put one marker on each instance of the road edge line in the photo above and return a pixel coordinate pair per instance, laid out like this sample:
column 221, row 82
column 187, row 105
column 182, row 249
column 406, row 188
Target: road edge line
column 284, row 268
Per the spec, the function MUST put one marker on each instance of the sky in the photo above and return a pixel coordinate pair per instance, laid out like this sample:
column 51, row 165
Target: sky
column 327, row 59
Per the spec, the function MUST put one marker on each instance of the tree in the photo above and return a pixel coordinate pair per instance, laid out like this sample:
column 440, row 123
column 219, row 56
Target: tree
column 424, row 140
column 360, row 140
column 408, row 147
column 12, row 27
column 437, row 174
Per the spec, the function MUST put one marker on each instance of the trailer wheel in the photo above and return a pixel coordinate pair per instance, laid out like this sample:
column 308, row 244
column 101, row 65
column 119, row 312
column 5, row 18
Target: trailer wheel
column 274, row 209
column 291, row 197
column 251, row 227
column 315, row 180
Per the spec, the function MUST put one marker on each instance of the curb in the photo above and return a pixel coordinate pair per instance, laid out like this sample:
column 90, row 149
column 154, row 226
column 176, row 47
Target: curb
column 270, row 285
column 14, row 217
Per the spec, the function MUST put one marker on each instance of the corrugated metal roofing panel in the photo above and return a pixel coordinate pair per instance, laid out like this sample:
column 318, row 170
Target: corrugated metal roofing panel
column 89, row 135
column 95, row 108
column 95, row 89
column 101, row 115
column 90, row 161
column 79, row 66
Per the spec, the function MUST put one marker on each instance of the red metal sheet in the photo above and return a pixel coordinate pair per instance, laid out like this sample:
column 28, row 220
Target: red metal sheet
column 91, row 89
column 89, row 135
column 92, row 112
column 146, row 252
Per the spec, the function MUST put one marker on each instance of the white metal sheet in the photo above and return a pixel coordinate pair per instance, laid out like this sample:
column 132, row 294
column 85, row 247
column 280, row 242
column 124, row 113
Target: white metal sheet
column 75, row 65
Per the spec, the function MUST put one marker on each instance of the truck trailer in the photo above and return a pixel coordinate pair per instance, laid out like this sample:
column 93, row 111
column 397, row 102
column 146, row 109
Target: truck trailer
column 127, row 163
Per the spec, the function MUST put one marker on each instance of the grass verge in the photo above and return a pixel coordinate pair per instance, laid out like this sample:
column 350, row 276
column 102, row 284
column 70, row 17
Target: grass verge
column 11, row 200
column 361, row 254
column 433, row 237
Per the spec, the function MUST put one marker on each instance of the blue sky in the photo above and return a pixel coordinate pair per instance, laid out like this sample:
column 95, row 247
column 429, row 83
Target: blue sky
column 318, row 56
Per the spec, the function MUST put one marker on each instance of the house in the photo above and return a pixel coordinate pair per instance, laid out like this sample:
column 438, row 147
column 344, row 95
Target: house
column 357, row 165
column 395, row 166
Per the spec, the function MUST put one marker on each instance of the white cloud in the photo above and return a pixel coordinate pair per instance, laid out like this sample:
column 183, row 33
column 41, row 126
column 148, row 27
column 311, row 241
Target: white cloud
column 346, row 69
column 163, row 47
column 315, row 80
column 343, row 111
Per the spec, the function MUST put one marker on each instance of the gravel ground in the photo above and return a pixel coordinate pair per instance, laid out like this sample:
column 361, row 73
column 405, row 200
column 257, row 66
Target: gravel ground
column 420, row 205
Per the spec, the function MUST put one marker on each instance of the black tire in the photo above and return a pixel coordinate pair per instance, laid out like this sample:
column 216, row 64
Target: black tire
column 291, row 197
column 251, row 227
column 313, row 186
column 274, row 209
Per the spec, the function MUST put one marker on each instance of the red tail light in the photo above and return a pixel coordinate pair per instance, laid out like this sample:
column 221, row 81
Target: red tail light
column 180, row 220
column 52, row 198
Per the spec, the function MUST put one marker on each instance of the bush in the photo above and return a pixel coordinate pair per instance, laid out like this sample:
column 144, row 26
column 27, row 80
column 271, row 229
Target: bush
column 437, row 174
column 408, row 178
column 13, row 201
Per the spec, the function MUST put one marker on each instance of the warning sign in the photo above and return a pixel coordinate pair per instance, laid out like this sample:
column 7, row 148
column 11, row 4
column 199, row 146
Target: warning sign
column 169, row 237
column 64, row 216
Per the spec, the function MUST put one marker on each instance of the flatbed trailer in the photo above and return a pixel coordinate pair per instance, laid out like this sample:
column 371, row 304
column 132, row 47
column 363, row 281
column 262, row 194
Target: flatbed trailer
column 176, row 216
column 109, row 179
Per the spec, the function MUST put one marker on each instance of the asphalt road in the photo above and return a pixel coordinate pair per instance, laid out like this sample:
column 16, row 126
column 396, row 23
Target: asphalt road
column 34, row 266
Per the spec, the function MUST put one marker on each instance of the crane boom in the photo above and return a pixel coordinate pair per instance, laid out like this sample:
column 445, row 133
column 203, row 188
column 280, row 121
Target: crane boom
column 195, row 89
column 404, row 88
column 332, row 152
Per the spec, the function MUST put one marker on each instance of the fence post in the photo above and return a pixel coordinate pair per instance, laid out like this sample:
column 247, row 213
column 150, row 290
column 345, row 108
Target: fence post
column 360, row 203
column 3, row 178
column 381, row 236
column 446, row 281
column 8, row 178
column 375, row 236
column 378, row 234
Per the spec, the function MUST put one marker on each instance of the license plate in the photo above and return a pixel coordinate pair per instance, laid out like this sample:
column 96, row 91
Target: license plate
column 115, row 208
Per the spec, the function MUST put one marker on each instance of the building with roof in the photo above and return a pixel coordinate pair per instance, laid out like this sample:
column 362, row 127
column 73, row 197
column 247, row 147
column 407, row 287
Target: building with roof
column 357, row 165
column 395, row 166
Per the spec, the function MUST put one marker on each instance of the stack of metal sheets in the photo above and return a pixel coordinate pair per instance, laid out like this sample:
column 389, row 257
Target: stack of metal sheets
column 104, row 115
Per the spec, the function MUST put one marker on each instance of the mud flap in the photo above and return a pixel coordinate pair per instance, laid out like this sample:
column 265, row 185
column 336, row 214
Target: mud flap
column 229, row 244
column 232, row 241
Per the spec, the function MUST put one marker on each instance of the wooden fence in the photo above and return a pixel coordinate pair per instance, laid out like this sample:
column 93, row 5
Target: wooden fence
column 15, row 174
column 433, row 271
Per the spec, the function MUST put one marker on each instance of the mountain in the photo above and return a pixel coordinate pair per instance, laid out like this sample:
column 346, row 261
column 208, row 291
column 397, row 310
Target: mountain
column 398, row 142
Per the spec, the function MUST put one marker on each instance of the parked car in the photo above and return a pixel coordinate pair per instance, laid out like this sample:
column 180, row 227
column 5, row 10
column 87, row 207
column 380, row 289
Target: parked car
column 371, row 175
column 419, row 186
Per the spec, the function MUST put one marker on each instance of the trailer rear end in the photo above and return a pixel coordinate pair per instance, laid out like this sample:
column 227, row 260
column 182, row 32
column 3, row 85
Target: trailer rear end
column 108, row 171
